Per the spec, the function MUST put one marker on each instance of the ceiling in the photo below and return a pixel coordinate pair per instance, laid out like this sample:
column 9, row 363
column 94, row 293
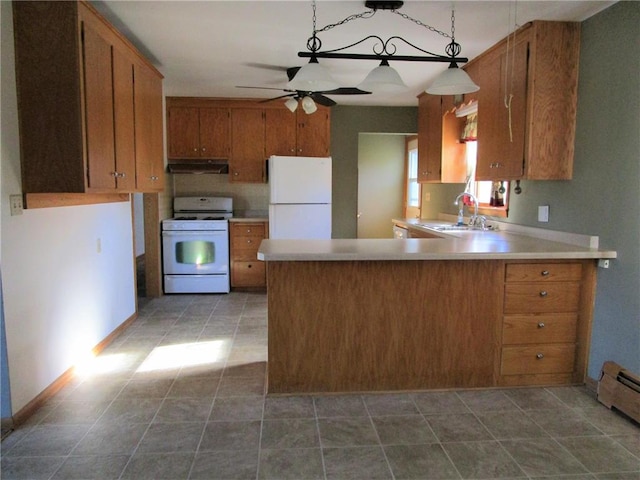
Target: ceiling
column 207, row 48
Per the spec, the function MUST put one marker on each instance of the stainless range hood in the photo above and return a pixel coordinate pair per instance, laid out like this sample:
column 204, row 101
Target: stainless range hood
column 197, row 166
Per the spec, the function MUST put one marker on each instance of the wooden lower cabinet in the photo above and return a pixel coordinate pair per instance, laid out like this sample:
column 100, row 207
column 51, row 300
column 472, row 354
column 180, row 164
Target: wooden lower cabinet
column 346, row 326
column 246, row 270
column 545, row 328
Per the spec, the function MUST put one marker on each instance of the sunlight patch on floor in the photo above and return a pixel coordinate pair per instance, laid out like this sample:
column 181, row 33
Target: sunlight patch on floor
column 101, row 365
column 185, row 355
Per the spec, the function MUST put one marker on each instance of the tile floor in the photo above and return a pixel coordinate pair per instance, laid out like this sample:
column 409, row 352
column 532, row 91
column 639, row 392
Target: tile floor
column 180, row 394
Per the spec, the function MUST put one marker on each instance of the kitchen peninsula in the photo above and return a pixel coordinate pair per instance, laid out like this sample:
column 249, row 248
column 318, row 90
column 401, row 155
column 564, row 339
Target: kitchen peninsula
column 464, row 310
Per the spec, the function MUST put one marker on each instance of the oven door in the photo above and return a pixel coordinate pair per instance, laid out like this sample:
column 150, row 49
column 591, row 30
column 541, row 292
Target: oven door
column 195, row 252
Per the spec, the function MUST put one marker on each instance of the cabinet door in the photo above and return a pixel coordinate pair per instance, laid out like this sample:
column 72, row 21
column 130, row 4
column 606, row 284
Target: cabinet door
column 453, row 162
column 148, row 130
column 125, row 150
column 247, row 160
column 429, row 138
column 313, row 133
column 98, row 95
column 183, row 137
column 214, row 133
column 280, row 134
column 501, row 115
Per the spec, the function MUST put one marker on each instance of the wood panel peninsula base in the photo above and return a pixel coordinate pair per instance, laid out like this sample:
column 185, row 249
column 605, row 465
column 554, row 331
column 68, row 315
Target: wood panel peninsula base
column 394, row 325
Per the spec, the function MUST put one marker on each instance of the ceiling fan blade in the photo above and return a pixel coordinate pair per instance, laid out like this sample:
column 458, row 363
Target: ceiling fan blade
column 266, row 88
column 277, row 98
column 322, row 100
column 291, row 72
column 346, row 91
column 267, row 66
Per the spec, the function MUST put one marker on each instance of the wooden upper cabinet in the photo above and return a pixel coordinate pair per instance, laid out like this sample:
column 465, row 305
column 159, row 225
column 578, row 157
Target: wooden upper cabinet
column 280, row 134
column 148, row 130
column 183, row 131
column 244, row 131
column 124, row 122
column 441, row 155
column 195, row 132
column 99, row 105
column 527, row 104
column 248, row 157
column 429, row 138
column 313, row 133
column 76, row 101
column 501, row 114
column 214, row 133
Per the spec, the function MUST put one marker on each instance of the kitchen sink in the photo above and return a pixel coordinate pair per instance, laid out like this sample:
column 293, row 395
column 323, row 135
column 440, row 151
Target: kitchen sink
column 455, row 228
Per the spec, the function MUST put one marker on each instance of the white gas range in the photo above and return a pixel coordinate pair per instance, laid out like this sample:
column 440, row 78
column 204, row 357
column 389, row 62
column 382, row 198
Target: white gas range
column 195, row 245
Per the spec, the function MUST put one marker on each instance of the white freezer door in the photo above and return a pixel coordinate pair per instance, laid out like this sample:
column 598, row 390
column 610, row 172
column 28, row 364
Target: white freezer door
column 295, row 222
column 300, row 179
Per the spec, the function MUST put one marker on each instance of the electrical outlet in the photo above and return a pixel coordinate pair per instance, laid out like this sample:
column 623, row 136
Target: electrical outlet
column 543, row 213
column 603, row 263
column 98, row 245
column 16, row 204
column 427, row 197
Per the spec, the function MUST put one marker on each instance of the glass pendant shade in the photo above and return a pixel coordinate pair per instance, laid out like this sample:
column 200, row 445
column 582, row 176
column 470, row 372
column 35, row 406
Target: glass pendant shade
column 313, row 77
column 383, row 79
column 291, row 104
column 452, row 81
column 308, row 105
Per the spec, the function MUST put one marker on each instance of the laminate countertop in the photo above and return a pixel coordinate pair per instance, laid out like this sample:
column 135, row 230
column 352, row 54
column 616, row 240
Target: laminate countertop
column 515, row 243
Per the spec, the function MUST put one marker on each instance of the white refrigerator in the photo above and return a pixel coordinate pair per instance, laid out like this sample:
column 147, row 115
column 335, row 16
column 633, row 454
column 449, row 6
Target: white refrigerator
column 299, row 197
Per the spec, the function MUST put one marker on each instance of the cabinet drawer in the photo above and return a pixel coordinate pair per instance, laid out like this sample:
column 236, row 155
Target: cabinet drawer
column 248, row 229
column 249, row 274
column 245, row 244
column 541, row 297
column 543, row 272
column 532, row 329
column 538, row 359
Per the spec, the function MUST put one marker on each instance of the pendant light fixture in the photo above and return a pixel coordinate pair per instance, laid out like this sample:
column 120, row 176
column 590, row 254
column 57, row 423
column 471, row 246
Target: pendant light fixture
column 454, row 80
column 384, row 78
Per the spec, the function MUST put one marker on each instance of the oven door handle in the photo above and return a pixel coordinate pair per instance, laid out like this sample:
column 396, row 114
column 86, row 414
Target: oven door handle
column 193, row 233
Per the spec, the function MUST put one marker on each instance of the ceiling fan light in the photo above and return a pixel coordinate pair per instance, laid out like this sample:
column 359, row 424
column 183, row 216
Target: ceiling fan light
column 383, row 79
column 452, row 81
column 308, row 105
column 313, row 77
column 291, row 104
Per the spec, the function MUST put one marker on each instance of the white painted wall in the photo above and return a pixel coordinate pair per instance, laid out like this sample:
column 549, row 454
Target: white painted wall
column 62, row 294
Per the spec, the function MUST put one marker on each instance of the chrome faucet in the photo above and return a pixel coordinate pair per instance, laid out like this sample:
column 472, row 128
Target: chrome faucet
column 472, row 222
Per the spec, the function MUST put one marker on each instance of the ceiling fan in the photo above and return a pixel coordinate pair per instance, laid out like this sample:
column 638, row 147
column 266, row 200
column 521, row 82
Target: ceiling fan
column 303, row 95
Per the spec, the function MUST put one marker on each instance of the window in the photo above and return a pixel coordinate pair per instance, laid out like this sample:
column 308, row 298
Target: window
column 412, row 190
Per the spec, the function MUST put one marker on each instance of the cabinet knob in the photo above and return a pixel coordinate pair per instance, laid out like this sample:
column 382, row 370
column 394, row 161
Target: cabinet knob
column 544, row 273
column 204, row 149
column 540, row 356
column 249, row 266
column 543, row 293
column 541, row 325
column 153, row 178
column 248, row 230
column 235, row 174
column 195, row 149
column 249, row 241
column 122, row 175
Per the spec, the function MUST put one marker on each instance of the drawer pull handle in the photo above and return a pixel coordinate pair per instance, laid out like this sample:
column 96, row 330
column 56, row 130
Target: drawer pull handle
column 544, row 273
column 541, row 325
column 543, row 293
column 540, row 356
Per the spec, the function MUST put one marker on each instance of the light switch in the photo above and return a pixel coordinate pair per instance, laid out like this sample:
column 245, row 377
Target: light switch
column 543, row 213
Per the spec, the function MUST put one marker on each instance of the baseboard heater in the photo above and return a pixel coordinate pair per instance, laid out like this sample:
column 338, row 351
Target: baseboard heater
column 620, row 389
